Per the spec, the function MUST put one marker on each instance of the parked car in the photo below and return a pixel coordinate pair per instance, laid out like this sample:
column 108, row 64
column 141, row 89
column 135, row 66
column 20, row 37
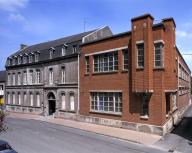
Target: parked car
column 5, row 147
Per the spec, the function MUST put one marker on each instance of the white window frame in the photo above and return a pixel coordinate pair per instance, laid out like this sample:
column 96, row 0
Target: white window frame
column 19, row 78
column 19, row 98
column 63, row 74
column 101, row 59
column 72, row 101
column 87, row 65
column 13, row 79
column 123, row 53
column 8, row 98
column 162, row 55
column 38, row 99
column 63, row 101
column 38, row 76
column 137, row 44
column 13, row 98
column 24, row 77
column 31, row 99
column 51, row 76
column 31, row 77
column 111, row 99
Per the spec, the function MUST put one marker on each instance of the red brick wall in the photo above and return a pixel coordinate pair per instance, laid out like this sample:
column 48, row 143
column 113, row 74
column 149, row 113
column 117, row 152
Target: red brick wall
column 147, row 79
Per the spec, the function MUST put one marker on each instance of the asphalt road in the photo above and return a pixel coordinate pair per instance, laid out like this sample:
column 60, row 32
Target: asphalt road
column 30, row 136
column 180, row 139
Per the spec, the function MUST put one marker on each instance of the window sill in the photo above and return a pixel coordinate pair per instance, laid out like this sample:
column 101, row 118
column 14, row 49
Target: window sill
column 107, row 72
column 124, row 71
column 86, row 74
column 140, row 68
column 146, row 117
column 106, row 113
column 158, row 68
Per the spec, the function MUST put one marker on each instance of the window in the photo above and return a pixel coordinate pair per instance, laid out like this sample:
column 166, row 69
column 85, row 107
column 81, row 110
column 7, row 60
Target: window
column 24, row 98
column 63, row 75
column 109, row 102
column 158, row 55
column 19, row 59
column 145, row 106
column 30, row 58
column 87, row 64
column 63, row 107
column 9, row 61
column 38, row 77
column 174, row 102
column 31, row 99
column 72, row 102
column 125, row 60
column 13, row 96
column 51, row 52
column 9, row 79
column 31, row 77
column 51, row 76
column 38, row 99
column 63, row 50
column 106, row 62
column 8, row 98
column 24, row 77
column 24, row 59
column 140, row 55
column 19, row 78
column 13, row 77
column 74, row 49
column 36, row 56
column 167, row 103
column 14, row 61
column 19, row 99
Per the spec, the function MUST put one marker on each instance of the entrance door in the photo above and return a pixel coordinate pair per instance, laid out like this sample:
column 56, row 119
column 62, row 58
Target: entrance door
column 52, row 107
column 51, row 103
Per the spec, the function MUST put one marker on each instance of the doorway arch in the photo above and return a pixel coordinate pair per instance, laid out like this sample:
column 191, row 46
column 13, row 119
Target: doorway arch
column 51, row 103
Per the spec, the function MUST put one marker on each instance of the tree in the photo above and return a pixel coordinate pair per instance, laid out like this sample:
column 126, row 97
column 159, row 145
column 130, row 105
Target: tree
column 2, row 116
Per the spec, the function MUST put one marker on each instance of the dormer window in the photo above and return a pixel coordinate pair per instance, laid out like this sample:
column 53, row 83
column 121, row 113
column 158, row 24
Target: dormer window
column 25, row 59
column 51, row 52
column 74, row 48
column 9, row 61
column 31, row 58
column 19, row 59
column 37, row 56
column 14, row 61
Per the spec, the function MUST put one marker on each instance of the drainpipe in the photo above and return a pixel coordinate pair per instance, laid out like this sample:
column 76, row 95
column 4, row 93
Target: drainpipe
column 78, row 82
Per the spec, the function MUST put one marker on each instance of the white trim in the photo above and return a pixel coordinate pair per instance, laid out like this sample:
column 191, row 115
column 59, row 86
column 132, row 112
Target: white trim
column 140, row 42
column 83, row 39
column 159, row 41
column 106, row 51
column 105, row 90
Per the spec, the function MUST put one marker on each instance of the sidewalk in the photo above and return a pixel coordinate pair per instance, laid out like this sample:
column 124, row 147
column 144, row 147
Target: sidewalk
column 129, row 135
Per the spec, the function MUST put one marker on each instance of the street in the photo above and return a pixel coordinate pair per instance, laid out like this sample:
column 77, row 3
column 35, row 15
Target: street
column 180, row 139
column 31, row 136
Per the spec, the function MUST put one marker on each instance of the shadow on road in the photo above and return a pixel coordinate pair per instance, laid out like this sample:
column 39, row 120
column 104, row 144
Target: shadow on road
column 184, row 129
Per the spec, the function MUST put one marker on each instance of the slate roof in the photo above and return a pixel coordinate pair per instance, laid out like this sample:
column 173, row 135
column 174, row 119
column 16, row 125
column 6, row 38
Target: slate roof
column 2, row 76
column 53, row 43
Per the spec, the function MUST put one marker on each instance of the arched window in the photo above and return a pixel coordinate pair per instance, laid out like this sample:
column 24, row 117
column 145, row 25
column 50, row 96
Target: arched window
column 31, row 99
column 38, row 99
column 8, row 98
column 72, row 101
column 63, row 103
column 13, row 98
column 19, row 98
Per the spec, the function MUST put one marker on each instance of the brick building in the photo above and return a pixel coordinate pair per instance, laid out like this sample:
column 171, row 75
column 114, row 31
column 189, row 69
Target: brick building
column 136, row 79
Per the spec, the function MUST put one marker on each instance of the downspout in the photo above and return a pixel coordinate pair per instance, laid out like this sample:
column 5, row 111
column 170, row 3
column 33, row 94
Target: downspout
column 78, row 82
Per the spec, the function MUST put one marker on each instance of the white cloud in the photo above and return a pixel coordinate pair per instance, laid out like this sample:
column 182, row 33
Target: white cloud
column 12, row 5
column 16, row 17
column 181, row 33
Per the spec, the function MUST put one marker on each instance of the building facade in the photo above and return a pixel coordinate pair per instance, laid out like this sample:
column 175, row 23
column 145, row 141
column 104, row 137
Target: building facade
column 43, row 78
column 137, row 79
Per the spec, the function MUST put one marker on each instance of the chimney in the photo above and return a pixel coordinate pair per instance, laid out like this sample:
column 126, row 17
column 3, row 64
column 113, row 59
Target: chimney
column 22, row 46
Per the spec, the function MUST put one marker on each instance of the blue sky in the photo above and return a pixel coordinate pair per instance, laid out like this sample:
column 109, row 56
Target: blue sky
column 34, row 21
